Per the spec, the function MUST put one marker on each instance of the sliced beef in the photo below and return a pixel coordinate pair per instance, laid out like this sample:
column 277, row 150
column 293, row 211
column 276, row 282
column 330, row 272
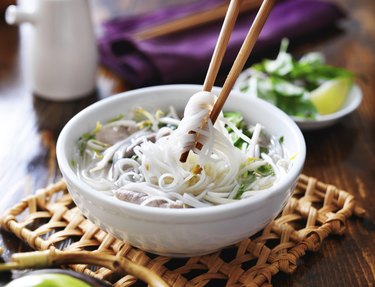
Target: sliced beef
column 139, row 197
column 111, row 135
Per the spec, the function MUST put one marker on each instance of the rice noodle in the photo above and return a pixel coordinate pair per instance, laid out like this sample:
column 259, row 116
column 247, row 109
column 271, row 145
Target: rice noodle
column 147, row 162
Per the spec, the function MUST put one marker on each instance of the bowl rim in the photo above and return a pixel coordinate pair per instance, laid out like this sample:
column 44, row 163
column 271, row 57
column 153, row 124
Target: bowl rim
column 216, row 212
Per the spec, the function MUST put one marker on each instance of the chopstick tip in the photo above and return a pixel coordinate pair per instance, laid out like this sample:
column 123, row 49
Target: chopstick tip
column 184, row 156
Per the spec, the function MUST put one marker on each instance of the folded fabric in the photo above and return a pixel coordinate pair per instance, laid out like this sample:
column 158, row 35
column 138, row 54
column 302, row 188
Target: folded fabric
column 185, row 56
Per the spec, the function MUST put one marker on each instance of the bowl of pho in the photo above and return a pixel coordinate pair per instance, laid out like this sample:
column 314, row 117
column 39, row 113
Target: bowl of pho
column 121, row 160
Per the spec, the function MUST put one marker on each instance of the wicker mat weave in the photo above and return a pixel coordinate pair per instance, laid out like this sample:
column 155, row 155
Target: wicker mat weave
column 315, row 211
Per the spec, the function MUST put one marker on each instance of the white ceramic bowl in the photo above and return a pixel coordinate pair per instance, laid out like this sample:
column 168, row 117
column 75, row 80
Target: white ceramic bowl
column 180, row 232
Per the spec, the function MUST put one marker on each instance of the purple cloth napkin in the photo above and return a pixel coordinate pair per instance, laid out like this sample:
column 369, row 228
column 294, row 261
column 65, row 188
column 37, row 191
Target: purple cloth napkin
column 184, row 56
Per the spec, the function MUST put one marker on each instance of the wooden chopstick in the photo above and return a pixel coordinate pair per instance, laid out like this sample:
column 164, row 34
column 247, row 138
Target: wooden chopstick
column 221, row 44
column 239, row 62
column 242, row 56
column 194, row 20
column 217, row 57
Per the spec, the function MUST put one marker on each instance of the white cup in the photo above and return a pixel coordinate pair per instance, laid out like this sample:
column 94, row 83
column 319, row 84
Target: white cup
column 63, row 55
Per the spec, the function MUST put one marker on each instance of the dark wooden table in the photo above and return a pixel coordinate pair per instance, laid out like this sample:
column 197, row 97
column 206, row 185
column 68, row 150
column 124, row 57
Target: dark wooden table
column 343, row 155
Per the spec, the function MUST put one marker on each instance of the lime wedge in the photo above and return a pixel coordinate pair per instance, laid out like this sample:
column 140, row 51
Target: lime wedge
column 331, row 95
column 47, row 280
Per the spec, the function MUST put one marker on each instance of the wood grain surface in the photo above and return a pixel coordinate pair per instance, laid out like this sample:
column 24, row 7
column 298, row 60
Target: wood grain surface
column 343, row 155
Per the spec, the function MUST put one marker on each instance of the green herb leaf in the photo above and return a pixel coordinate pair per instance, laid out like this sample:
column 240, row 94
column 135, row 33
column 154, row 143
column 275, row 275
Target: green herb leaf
column 283, row 64
column 265, row 170
column 240, row 191
column 235, row 118
column 312, row 59
column 299, row 107
column 82, row 142
column 116, row 118
column 287, row 89
column 266, row 91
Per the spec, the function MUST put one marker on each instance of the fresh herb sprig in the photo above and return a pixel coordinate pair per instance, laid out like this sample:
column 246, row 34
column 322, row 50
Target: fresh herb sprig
column 287, row 82
column 237, row 119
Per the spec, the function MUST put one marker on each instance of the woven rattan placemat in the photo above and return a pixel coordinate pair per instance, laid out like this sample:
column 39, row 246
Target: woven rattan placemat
column 316, row 210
